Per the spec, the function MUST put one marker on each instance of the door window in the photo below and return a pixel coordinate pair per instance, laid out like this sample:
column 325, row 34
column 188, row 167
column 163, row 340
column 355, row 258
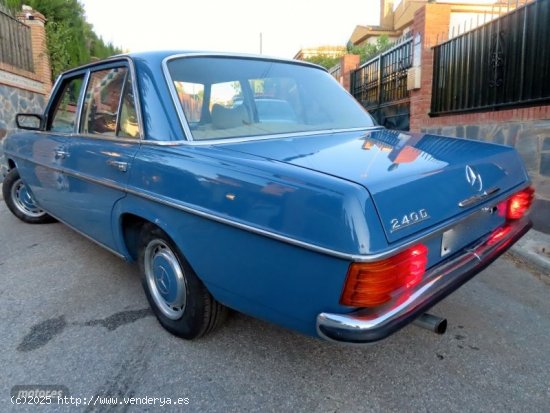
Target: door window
column 102, row 101
column 128, row 121
column 64, row 115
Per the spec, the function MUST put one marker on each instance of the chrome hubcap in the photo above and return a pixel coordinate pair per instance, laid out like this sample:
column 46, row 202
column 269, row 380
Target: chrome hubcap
column 24, row 201
column 165, row 279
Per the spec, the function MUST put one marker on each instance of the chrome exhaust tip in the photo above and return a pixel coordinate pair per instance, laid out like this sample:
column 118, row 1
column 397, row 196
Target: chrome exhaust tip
column 432, row 322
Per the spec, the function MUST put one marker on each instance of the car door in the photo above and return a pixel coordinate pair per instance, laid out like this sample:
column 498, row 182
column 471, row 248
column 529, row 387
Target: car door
column 97, row 159
column 43, row 170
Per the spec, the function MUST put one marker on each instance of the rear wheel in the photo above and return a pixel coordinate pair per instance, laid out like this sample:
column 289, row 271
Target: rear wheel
column 20, row 201
column 180, row 301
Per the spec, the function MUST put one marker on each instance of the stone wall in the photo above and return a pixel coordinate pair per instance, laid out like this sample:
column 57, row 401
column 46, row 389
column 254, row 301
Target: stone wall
column 13, row 101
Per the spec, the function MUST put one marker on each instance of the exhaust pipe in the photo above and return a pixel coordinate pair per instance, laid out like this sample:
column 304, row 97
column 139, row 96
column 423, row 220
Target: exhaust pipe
column 432, row 322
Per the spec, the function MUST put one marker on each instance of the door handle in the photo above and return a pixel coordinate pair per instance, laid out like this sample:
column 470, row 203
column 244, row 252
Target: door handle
column 121, row 166
column 61, row 154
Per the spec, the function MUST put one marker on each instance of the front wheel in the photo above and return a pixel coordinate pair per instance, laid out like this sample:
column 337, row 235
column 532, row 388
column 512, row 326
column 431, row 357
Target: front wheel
column 20, row 201
column 180, row 301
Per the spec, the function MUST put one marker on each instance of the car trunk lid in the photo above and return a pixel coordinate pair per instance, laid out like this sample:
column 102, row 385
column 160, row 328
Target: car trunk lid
column 415, row 180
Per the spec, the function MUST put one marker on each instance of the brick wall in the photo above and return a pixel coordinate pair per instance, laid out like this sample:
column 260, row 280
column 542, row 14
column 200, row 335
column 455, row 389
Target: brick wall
column 429, row 21
column 22, row 90
column 348, row 63
column 42, row 69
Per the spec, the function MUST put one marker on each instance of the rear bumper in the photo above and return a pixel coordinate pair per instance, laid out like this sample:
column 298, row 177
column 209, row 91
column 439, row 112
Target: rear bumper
column 362, row 326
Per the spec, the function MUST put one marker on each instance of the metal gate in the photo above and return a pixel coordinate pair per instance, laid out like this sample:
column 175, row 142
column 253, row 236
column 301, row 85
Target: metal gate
column 502, row 64
column 380, row 85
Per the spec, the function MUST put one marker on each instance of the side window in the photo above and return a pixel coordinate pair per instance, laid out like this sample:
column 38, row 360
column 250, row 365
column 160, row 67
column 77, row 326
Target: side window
column 63, row 117
column 227, row 94
column 276, row 99
column 228, row 108
column 102, row 101
column 191, row 96
column 128, row 121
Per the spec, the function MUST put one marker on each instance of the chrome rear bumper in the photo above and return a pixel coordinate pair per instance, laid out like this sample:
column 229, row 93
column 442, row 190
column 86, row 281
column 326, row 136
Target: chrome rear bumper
column 362, row 326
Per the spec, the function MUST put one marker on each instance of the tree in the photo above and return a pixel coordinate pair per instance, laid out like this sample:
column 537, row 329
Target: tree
column 368, row 51
column 71, row 39
column 323, row 60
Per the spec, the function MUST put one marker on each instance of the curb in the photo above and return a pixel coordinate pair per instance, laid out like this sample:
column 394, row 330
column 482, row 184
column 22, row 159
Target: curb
column 534, row 249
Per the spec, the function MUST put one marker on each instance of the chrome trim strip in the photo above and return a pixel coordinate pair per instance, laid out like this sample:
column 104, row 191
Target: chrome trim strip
column 478, row 198
column 362, row 326
column 201, row 143
column 164, row 143
column 427, row 233
column 242, row 139
column 94, row 136
column 81, row 99
column 112, row 251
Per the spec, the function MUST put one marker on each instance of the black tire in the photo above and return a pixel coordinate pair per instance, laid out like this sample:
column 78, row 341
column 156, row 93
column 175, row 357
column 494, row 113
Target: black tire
column 200, row 313
column 20, row 202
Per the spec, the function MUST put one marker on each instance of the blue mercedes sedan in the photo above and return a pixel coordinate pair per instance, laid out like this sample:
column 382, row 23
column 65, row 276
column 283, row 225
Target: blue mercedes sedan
column 259, row 185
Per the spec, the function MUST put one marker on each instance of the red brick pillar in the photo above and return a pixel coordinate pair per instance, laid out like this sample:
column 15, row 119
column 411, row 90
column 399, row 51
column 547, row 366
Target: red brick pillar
column 348, row 63
column 40, row 56
column 430, row 22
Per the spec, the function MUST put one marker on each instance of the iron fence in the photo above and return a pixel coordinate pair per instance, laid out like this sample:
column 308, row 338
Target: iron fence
column 15, row 42
column 380, row 85
column 502, row 64
column 383, row 80
column 336, row 71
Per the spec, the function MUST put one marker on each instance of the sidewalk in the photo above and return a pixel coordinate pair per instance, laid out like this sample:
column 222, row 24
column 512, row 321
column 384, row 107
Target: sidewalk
column 534, row 250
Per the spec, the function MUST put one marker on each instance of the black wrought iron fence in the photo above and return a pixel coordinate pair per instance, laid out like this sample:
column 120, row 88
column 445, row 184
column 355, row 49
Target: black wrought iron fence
column 15, row 42
column 383, row 80
column 336, row 71
column 380, row 85
column 501, row 64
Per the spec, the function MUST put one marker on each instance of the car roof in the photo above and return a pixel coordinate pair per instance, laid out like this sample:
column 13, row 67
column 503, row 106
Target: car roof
column 160, row 55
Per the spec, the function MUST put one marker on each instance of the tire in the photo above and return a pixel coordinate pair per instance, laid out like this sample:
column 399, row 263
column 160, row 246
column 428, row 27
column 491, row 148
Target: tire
column 180, row 301
column 20, row 201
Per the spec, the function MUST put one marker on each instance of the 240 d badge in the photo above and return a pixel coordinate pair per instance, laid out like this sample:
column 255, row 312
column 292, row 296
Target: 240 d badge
column 409, row 219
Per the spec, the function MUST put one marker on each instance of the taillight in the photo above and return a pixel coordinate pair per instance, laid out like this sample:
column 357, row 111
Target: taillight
column 370, row 284
column 518, row 204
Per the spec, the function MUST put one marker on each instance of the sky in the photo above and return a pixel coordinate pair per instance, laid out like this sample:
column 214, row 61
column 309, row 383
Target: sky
column 229, row 25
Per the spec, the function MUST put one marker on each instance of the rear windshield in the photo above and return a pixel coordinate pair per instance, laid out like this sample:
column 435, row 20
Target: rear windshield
column 238, row 97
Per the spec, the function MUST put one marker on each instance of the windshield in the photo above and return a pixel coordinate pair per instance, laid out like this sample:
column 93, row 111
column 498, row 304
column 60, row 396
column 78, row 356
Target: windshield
column 224, row 97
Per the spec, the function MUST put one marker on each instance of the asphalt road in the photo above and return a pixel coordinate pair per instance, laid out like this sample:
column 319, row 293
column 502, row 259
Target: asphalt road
column 72, row 314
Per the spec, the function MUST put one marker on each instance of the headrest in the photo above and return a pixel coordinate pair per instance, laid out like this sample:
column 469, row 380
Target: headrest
column 225, row 118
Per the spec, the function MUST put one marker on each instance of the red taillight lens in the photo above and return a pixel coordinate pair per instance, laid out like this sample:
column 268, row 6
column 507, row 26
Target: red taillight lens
column 370, row 284
column 518, row 204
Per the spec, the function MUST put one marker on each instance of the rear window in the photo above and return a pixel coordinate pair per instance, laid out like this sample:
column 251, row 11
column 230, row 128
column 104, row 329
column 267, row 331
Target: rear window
column 236, row 97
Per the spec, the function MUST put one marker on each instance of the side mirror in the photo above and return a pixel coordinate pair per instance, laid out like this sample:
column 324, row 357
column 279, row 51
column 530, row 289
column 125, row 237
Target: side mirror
column 29, row 121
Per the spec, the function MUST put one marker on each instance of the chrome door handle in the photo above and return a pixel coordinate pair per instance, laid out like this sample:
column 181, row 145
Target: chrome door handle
column 61, row 154
column 121, row 166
